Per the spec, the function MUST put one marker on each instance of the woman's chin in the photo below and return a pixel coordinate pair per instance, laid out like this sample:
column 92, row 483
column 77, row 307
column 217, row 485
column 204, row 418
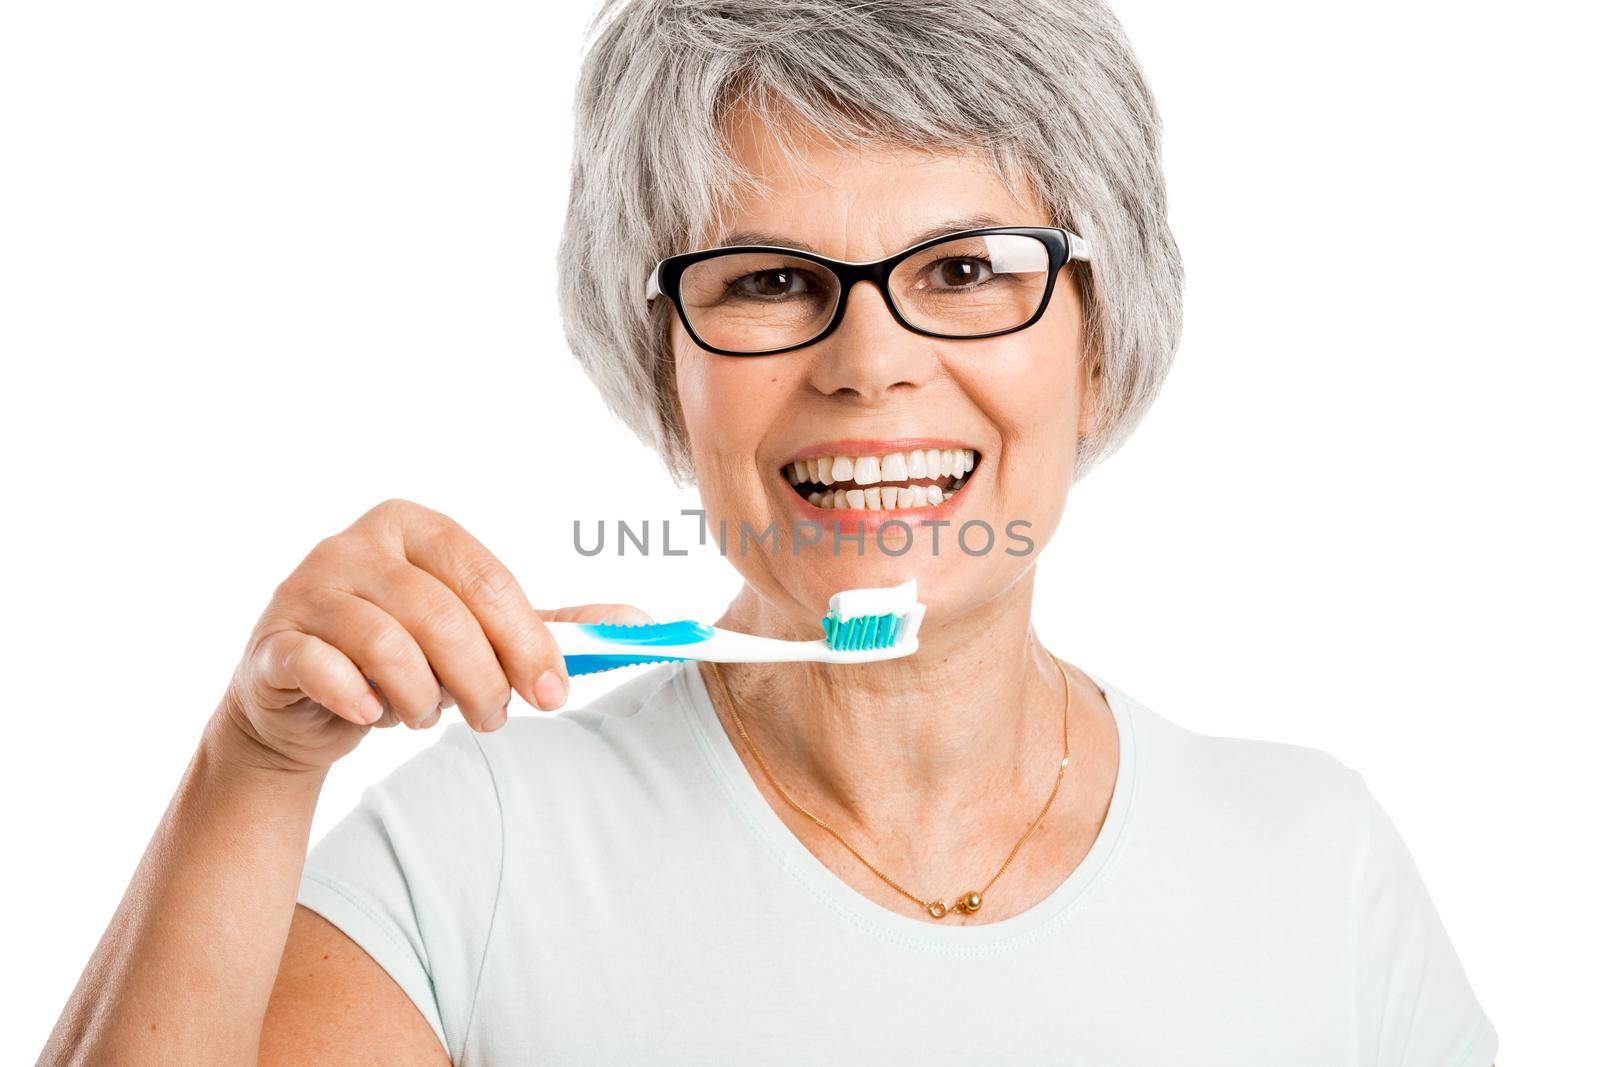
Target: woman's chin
column 947, row 582
column 955, row 550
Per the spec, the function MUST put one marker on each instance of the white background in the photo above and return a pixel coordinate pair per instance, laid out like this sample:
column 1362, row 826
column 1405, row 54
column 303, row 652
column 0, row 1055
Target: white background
column 264, row 266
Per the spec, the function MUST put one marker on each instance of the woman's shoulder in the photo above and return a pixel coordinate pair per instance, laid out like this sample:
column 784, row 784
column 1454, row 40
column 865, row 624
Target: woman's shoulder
column 1285, row 840
column 447, row 810
column 626, row 737
column 1257, row 785
column 638, row 704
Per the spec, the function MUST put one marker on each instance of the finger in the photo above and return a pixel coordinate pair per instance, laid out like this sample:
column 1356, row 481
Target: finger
column 550, row 688
column 391, row 718
column 379, row 645
column 625, row 614
column 292, row 660
column 449, row 634
column 525, row 649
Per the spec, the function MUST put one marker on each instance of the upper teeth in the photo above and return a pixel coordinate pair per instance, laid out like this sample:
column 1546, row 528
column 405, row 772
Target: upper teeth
column 870, row 470
column 870, row 477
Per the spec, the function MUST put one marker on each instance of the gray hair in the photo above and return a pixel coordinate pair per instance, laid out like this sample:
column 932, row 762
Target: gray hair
column 1048, row 90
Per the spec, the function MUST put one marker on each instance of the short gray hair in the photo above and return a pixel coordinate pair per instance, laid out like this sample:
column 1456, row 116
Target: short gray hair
column 1048, row 90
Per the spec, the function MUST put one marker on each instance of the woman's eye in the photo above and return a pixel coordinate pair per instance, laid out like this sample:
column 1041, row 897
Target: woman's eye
column 960, row 272
column 772, row 283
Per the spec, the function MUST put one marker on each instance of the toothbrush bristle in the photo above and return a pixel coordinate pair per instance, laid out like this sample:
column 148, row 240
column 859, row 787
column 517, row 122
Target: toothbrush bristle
column 866, row 631
column 873, row 620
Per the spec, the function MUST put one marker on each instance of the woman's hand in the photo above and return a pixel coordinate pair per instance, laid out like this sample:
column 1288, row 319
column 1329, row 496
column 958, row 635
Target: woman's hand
column 408, row 600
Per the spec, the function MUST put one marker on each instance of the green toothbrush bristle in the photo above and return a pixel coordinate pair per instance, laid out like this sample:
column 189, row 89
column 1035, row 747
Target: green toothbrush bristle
column 864, row 632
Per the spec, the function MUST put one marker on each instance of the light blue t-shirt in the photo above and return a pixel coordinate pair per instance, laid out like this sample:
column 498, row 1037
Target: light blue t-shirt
column 608, row 885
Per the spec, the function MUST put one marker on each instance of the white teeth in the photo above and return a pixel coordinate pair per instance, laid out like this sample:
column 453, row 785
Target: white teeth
column 857, row 473
column 880, row 498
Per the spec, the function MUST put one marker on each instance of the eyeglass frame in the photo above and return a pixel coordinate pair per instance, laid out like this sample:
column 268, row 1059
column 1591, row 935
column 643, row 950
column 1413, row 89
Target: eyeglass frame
column 1063, row 246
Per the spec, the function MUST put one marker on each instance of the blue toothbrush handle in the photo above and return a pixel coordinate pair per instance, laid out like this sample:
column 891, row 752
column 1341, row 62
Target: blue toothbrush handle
column 590, row 647
column 587, row 664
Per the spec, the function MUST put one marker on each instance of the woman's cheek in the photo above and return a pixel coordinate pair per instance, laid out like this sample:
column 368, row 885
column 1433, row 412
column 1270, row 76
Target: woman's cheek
column 730, row 401
column 729, row 408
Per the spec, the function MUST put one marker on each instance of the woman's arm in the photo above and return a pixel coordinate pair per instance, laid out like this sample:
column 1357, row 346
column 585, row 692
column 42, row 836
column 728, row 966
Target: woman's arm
column 186, row 968
column 383, row 623
column 334, row 1004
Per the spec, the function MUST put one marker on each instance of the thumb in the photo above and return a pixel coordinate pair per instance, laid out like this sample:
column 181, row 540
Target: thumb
column 617, row 613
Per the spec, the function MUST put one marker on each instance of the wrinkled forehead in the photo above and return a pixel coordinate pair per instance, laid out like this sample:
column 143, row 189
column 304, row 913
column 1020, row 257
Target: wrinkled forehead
column 855, row 196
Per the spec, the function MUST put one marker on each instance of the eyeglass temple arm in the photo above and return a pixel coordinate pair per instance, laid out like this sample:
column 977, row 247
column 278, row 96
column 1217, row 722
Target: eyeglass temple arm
column 652, row 285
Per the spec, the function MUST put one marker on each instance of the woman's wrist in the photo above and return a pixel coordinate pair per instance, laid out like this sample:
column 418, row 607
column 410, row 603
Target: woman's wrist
column 230, row 747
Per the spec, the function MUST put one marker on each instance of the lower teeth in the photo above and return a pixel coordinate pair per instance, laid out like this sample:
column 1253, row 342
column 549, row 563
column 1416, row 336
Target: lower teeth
column 842, row 498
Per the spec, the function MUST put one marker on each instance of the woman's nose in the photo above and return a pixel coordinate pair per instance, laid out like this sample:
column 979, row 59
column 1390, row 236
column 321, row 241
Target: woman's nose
column 871, row 356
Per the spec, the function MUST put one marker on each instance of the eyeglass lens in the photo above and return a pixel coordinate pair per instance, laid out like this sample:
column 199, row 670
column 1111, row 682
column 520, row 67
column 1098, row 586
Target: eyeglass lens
column 963, row 287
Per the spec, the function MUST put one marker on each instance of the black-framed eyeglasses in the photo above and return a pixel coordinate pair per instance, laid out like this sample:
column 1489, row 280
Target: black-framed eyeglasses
column 760, row 300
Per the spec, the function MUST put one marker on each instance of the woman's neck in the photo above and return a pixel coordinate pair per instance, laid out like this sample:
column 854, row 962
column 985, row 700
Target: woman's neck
column 975, row 713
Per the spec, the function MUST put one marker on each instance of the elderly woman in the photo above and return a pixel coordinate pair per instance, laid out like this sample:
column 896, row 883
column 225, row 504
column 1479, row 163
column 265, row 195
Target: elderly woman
column 871, row 270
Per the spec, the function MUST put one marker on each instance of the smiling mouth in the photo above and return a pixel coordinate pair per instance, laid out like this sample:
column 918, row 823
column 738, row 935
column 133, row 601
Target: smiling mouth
column 894, row 481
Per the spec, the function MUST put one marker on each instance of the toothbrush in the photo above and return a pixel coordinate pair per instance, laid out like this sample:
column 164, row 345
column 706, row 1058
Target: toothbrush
column 862, row 626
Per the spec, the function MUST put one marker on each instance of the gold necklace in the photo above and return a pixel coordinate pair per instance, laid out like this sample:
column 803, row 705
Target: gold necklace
column 972, row 899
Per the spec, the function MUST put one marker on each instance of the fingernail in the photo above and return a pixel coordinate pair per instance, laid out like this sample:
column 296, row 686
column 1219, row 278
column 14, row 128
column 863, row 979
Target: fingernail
column 371, row 709
column 431, row 719
column 497, row 721
column 550, row 690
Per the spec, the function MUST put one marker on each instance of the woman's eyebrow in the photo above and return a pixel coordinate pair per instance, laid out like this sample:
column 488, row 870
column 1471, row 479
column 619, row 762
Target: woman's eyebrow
column 964, row 222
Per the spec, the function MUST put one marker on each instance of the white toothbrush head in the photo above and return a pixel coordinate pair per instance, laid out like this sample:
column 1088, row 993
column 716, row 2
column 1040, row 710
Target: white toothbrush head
column 863, row 625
